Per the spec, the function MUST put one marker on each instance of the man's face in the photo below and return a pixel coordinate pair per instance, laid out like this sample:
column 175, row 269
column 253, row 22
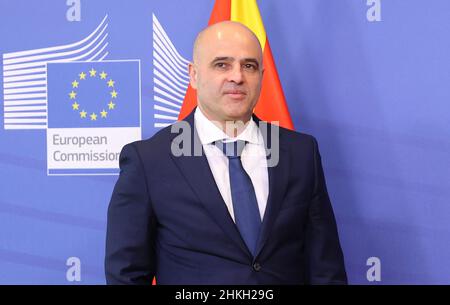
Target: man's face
column 227, row 73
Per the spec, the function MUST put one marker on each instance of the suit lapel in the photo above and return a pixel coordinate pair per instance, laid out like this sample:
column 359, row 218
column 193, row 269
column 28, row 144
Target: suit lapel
column 278, row 181
column 197, row 173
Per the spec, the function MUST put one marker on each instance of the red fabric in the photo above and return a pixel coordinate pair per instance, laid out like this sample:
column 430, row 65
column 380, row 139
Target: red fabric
column 272, row 103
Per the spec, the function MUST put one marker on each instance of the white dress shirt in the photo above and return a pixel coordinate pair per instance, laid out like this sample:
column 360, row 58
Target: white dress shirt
column 253, row 159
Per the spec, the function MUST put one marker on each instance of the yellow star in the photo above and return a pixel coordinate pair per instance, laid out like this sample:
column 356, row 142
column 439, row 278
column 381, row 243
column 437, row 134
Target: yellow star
column 92, row 72
column 75, row 84
column 111, row 105
column 72, row 95
column 103, row 75
column 103, row 113
column 82, row 75
column 75, row 106
column 93, row 116
column 114, row 94
column 83, row 114
column 110, row 83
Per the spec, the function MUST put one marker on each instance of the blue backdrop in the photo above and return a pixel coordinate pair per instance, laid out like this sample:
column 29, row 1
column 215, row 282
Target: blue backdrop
column 370, row 79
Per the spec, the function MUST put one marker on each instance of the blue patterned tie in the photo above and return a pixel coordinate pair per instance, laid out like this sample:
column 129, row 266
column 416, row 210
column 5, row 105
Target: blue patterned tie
column 245, row 205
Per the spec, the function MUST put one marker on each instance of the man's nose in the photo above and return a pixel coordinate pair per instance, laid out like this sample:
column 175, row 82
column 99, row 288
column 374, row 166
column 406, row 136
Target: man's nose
column 236, row 75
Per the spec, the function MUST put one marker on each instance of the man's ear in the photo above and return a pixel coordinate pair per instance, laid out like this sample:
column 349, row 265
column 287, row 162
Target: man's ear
column 192, row 75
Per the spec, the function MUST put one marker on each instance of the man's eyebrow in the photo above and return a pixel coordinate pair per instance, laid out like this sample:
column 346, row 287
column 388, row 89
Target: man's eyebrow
column 228, row 58
column 223, row 58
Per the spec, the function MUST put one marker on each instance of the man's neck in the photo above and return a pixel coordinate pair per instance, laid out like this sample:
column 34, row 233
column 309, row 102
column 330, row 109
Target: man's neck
column 231, row 128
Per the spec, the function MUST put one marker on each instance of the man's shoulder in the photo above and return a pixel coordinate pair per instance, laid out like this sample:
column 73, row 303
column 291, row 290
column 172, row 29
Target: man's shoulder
column 284, row 133
column 296, row 135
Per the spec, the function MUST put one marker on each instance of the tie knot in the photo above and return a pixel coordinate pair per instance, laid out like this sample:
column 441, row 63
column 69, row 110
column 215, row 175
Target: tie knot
column 231, row 149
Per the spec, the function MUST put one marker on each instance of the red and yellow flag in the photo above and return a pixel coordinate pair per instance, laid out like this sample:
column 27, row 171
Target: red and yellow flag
column 272, row 103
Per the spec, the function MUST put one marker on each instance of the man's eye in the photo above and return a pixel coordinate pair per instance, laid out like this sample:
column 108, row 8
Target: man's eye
column 250, row 66
column 221, row 65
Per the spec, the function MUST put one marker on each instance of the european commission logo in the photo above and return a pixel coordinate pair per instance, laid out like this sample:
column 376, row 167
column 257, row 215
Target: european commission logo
column 89, row 106
column 93, row 110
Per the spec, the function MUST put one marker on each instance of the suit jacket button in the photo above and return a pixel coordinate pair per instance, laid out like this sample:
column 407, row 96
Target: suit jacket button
column 256, row 267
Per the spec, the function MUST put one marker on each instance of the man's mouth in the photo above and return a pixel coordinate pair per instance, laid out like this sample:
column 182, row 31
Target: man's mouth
column 235, row 94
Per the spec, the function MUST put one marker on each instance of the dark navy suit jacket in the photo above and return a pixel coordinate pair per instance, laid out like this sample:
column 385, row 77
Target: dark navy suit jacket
column 167, row 219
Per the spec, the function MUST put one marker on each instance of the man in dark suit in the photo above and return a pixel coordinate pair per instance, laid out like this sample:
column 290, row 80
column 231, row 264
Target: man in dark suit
column 249, row 207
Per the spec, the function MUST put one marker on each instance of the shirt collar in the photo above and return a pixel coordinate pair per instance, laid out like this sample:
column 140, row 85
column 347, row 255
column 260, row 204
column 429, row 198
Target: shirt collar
column 208, row 132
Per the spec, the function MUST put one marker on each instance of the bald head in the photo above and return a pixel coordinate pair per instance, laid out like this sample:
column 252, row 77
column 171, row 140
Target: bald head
column 227, row 72
column 224, row 32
